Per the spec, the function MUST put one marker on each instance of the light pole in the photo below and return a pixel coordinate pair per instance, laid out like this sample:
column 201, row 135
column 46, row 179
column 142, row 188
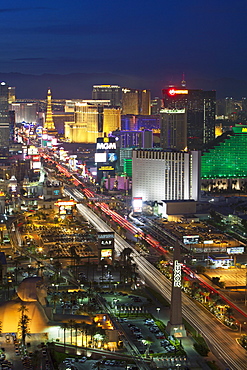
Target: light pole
column 158, row 311
column 114, row 304
column 240, row 327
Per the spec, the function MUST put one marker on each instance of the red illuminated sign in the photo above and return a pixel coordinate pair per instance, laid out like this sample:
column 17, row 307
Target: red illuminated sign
column 174, row 92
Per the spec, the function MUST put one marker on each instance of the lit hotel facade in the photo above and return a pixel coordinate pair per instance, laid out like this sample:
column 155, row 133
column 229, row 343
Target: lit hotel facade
column 91, row 120
column 226, row 158
column 165, row 175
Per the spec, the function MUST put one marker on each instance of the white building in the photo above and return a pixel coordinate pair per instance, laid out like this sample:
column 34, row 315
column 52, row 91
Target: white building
column 27, row 112
column 165, row 175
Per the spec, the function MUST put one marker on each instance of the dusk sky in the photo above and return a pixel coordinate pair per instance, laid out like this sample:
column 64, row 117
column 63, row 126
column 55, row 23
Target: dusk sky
column 148, row 39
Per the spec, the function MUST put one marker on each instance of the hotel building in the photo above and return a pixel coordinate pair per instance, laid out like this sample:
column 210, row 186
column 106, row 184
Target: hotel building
column 165, row 175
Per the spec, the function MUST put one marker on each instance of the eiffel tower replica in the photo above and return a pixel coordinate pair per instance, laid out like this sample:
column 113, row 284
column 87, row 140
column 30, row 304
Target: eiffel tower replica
column 49, row 126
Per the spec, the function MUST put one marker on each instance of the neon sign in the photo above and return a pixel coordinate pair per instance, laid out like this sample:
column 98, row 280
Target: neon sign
column 173, row 92
column 65, row 203
column 177, row 274
column 106, row 146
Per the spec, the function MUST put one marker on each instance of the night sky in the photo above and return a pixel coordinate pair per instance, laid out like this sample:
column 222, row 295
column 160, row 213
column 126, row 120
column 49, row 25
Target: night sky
column 147, row 39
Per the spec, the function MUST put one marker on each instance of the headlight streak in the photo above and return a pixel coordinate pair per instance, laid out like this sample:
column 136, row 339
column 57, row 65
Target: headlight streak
column 221, row 343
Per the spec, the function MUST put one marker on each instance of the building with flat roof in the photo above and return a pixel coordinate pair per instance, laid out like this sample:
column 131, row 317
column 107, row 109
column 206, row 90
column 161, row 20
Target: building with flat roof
column 136, row 101
column 111, row 119
column 165, row 175
column 173, row 129
column 108, row 92
column 201, row 110
column 4, row 119
column 134, row 139
column 27, row 112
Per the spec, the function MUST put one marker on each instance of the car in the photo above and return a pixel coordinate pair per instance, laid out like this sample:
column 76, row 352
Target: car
column 160, row 336
column 136, row 332
column 164, row 342
column 149, row 322
column 82, row 359
column 140, row 338
column 70, row 359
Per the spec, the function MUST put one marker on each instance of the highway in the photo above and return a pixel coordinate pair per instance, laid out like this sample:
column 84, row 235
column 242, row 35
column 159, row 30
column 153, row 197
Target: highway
column 220, row 339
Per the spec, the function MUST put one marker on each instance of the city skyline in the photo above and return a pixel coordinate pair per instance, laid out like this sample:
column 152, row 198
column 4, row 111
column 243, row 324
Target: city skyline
column 138, row 40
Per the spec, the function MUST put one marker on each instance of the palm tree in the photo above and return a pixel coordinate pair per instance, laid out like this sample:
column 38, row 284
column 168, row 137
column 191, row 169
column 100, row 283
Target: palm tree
column 64, row 326
column 93, row 330
column 148, row 341
column 126, row 256
column 76, row 327
column 23, row 323
column 71, row 324
column 55, row 299
column 82, row 328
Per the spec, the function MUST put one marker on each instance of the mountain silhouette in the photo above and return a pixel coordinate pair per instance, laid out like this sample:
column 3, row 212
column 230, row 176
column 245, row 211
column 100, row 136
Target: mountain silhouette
column 79, row 85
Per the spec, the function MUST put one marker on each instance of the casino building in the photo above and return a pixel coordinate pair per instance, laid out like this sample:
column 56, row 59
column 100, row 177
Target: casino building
column 200, row 107
column 165, row 175
column 226, row 158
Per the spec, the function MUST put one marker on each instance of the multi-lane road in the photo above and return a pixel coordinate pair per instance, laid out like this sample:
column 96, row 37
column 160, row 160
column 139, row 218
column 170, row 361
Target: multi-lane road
column 220, row 339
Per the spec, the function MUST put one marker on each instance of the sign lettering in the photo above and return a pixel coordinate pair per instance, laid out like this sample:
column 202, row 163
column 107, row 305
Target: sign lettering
column 173, row 92
column 177, row 274
column 106, row 146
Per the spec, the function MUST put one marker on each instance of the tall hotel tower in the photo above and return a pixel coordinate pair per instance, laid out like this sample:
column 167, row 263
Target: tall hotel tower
column 4, row 119
column 136, row 102
column 200, row 107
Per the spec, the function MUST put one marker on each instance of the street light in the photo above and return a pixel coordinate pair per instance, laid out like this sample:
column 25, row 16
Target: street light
column 114, row 303
column 240, row 327
column 158, row 311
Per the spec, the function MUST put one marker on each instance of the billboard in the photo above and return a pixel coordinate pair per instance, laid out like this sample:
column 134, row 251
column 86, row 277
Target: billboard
column 106, row 168
column 235, row 250
column 105, row 156
column 137, row 204
column 106, row 253
column 191, row 239
column 112, row 157
column 106, row 245
column 100, row 157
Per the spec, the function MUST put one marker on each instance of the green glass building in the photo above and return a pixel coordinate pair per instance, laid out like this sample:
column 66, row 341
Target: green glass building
column 128, row 167
column 227, row 157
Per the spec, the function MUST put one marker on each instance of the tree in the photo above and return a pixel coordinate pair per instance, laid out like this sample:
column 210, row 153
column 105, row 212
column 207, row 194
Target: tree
column 64, row 326
column 93, row 329
column 126, row 256
column 55, row 299
column 23, row 327
column 71, row 324
column 84, row 329
column 148, row 341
